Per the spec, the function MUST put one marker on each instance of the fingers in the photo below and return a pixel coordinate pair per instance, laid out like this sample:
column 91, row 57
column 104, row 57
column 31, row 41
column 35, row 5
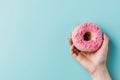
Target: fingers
column 70, row 41
column 73, row 51
column 77, row 54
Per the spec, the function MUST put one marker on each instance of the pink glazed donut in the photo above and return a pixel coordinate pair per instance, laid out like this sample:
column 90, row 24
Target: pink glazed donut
column 87, row 37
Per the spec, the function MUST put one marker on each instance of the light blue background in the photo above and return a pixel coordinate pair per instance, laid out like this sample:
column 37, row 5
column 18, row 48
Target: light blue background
column 34, row 33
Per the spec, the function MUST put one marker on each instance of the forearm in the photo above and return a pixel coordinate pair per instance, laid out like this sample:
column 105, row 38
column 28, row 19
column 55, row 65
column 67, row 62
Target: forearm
column 101, row 73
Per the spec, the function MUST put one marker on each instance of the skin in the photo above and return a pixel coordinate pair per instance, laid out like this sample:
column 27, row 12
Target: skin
column 95, row 62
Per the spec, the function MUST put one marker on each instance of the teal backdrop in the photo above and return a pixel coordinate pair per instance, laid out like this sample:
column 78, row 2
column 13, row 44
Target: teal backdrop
column 34, row 34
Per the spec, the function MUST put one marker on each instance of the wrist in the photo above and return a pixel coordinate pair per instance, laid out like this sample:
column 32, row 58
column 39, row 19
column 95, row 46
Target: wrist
column 101, row 73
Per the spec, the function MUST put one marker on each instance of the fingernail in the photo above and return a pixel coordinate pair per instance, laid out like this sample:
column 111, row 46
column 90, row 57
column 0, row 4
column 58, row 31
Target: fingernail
column 105, row 34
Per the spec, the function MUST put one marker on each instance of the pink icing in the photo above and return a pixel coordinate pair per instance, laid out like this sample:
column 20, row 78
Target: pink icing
column 95, row 41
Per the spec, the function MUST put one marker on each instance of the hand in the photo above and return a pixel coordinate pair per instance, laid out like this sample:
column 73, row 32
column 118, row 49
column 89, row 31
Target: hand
column 92, row 62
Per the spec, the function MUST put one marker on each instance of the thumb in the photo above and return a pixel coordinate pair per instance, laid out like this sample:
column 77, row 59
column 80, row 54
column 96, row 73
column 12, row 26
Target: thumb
column 102, row 52
column 105, row 42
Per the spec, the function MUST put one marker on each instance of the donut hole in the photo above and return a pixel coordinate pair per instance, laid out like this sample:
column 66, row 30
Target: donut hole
column 87, row 36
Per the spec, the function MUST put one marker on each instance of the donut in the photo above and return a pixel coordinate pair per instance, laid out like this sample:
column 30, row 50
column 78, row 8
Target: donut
column 87, row 37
